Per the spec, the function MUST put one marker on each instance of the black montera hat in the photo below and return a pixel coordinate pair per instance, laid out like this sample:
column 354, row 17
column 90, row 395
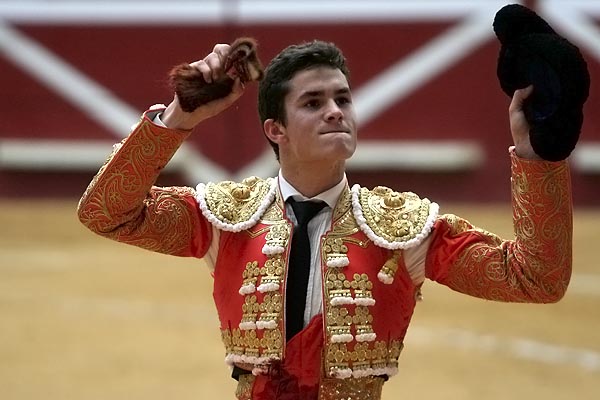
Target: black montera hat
column 532, row 53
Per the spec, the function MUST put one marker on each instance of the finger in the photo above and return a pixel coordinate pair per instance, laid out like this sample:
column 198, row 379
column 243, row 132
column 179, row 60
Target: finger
column 222, row 50
column 519, row 97
column 216, row 60
column 204, row 69
column 525, row 92
column 216, row 66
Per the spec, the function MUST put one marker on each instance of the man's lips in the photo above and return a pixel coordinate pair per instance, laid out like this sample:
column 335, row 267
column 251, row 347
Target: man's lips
column 340, row 130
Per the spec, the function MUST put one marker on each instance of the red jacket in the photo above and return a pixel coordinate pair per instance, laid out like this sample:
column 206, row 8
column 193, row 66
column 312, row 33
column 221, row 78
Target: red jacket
column 368, row 296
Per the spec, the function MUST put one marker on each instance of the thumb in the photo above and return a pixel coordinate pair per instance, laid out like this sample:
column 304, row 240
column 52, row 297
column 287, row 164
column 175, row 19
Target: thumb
column 519, row 98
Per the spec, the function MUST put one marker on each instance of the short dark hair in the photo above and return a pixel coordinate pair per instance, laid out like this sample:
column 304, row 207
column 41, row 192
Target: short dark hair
column 295, row 58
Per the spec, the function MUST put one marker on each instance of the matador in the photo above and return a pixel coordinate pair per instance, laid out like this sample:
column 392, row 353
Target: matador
column 371, row 249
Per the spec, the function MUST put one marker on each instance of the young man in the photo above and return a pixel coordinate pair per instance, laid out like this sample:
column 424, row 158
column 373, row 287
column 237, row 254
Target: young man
column 319, row 309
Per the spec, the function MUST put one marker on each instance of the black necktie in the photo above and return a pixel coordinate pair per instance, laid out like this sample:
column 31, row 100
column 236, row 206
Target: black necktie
column 299, row 265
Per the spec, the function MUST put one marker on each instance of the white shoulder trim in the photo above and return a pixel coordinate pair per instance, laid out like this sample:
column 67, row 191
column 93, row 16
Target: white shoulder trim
column 382, row 242
column 239, row 226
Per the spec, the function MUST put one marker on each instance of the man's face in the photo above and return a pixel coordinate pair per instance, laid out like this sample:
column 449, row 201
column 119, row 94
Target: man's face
column 320, row 118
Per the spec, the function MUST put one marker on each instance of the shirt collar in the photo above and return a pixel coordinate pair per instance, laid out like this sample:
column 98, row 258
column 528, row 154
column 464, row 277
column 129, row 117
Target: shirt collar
column 330, row 196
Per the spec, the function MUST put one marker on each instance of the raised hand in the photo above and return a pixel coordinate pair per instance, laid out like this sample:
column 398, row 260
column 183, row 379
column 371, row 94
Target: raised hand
column 207, row 87
column 519, row 126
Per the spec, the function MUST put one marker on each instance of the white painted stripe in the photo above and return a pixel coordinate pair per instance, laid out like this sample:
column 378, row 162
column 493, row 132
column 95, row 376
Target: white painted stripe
column 401, row 79
column 44, row 155
column 586, row 158
column 591, row 7
column 344, row 11
column 112, row 13
column 371, row 155
column 573, row 20
column 584, row 285
column 70, row 83
column 264, row 165
column 93, row 99
column 425, row 156
column 240, row 11
column 519, row 348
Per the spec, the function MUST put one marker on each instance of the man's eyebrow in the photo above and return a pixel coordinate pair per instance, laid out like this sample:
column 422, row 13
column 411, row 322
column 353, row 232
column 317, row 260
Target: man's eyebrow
column 317, row 93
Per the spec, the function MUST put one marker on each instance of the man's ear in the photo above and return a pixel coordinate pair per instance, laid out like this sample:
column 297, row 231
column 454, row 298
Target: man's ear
column 274, row 130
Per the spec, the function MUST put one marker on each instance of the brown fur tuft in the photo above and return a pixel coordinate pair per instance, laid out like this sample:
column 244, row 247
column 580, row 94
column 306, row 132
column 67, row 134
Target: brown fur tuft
column 193, row 91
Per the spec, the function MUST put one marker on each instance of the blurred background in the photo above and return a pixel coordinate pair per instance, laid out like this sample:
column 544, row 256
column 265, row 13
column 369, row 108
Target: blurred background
column 85, row 318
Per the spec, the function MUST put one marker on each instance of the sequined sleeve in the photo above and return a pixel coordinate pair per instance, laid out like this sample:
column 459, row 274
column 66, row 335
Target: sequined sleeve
column 122, row 204
column 536, row 265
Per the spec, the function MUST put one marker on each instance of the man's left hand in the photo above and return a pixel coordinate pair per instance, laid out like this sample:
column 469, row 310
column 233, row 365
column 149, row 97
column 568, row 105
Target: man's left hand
column 519, row 126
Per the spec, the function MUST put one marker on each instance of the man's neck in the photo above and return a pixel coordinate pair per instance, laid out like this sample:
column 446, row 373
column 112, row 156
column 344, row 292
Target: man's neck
column 314, row 179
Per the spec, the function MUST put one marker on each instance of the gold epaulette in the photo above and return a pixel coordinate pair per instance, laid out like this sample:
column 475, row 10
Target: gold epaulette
column 391, row 219
column 233, row 206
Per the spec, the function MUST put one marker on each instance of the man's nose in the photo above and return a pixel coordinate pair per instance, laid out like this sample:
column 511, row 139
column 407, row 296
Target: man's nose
column 333, row 112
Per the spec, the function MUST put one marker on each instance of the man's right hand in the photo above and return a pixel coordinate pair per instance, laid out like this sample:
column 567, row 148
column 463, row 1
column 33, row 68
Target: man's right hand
column 211, row 68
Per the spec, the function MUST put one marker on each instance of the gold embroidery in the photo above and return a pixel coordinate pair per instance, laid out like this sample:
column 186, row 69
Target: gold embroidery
column 338, row 321
column 243, row 390
column 536, row 266
column 271, row 308
column 362, row 288
column 362, row 317
column 264, row 343
column 335, row 249
column 333, row 246
column 459, row 225
column 365, row 388
column 273, row 270
column 343, row 219
column 227, row 340
column 272, row 343
column 275, row 211
column 343, row 209
column 338, row 356
column 237, row 345
column 337, row 287
column 121, row 204
column 381, row 354
column 262, row 314
column 251, row 343
column 256, row 231
column 278, row 235
column 394, row 350
column 250, row 309
column 396, row 217
column 378, row 355
column 251, row 273
column 233, row 202
column 348, row 301
column 390, row 267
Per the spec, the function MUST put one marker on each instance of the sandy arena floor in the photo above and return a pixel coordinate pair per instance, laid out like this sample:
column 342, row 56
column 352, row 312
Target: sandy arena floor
column 82, row 317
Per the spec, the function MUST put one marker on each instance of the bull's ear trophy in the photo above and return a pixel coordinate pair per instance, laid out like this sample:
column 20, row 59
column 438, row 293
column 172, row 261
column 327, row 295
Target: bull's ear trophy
column 193, row 91
column 532, row 53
